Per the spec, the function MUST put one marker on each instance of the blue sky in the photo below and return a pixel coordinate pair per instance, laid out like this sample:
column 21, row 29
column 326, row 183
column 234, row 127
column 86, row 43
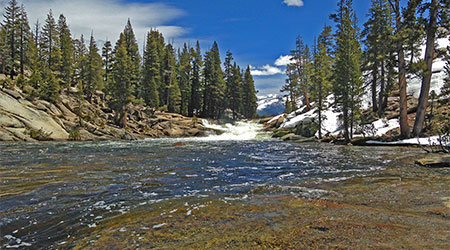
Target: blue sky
column 258, row 32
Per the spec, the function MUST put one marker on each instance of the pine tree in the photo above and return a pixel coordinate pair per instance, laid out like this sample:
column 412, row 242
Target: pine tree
column 79, row 57
column 173, row 93
column 94, row 71
column 292, row 87
column 121, row 88
column 51, row 52
column 35, row 64
column 235, row 98
column 300, row 64
column 107, row 59
column 37, row 37
column 196, row 102
column 12, row 27
column 431, row 27
column 249, row 95
column 229, row 71
column 322, row 72
column 402, row 31
column 184, row 73
column 67, row 49
column 151, row 73
column 378, row 32
column 133, row 52
column 347, row 68
column 24, row 37
column 214, row 94
column 157, row 41
column 4, row 53
column 49, row 89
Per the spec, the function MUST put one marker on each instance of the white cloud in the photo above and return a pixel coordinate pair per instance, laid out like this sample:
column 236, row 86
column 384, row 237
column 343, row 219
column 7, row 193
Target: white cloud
column 266, row 70
column 283, row 60
column 297, row 3
column 107, row 18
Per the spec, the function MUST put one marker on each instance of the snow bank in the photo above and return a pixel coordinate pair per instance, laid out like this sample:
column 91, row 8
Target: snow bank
column 437, row 79
column 428, row 141
column 383, row 126
column 292, row 121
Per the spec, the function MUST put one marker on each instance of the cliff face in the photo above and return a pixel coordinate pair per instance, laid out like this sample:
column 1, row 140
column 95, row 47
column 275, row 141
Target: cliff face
column 25, row 119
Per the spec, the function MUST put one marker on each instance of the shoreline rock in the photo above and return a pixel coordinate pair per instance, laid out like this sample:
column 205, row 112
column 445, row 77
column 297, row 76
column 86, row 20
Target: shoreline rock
column 73, row 119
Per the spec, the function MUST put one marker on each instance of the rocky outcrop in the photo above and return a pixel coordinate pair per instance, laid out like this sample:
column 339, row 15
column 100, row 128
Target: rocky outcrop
column 22, row 120
column 73, row 118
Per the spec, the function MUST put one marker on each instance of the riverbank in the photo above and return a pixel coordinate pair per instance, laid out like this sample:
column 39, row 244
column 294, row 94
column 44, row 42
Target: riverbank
column 24, row 118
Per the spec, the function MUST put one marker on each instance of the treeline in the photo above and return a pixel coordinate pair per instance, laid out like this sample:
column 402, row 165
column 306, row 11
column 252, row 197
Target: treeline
column 380, row 57
column 183, row 81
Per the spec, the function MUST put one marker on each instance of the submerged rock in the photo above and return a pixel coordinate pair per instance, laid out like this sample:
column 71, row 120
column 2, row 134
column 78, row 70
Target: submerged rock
column 436, row 161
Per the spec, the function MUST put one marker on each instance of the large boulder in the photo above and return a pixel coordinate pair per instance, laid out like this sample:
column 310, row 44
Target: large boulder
column 307, row 128
column 30, row 117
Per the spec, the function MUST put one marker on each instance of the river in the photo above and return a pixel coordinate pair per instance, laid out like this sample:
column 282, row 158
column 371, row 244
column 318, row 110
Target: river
column 55, row 195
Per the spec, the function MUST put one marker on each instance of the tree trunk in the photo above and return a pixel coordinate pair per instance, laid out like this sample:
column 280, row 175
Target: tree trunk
column 346, row 122
column 374, row 86
column 382, row 90
column 22, row 44
column 320, row 110
column 404, row 126
column 426, row 80
column 123, row 118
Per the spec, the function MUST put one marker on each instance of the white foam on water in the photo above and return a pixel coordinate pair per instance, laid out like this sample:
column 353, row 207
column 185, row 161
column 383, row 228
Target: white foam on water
column 239, row 131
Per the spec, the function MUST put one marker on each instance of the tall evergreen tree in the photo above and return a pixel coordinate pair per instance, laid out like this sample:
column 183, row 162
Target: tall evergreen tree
column 229, row 71
column 322, row 72
column 79, row 57
column 66, row 48
column 292, row 87
column 196, row 102
column 379, row 42
column 184, row 73
column 133, row 52
column 24, row 36
column 401, row 34
column 249, row 95
column 431, row 27
column 36, row 66
column 12, row 27
column 235, row 88
column 51, row 52
column 94, row 71
column 151, row 73
column 4, row 53
column 214, row 94
column 347, row 68
column 301, row 62
column 107, row 59
column 173, row 93
column 121, row 88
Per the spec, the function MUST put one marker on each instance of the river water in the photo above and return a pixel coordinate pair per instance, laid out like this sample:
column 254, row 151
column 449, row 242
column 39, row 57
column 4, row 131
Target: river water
column 51, row 193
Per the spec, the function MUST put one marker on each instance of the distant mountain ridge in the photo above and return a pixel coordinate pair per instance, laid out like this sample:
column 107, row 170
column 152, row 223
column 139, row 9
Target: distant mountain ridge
column 271, row 105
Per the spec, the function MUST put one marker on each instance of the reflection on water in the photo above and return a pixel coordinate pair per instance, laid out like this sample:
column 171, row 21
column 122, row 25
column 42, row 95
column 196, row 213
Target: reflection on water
column 53, row 192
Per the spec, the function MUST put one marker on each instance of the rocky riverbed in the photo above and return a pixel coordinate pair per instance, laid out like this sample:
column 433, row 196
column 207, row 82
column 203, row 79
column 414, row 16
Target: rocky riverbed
column 401, row 207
